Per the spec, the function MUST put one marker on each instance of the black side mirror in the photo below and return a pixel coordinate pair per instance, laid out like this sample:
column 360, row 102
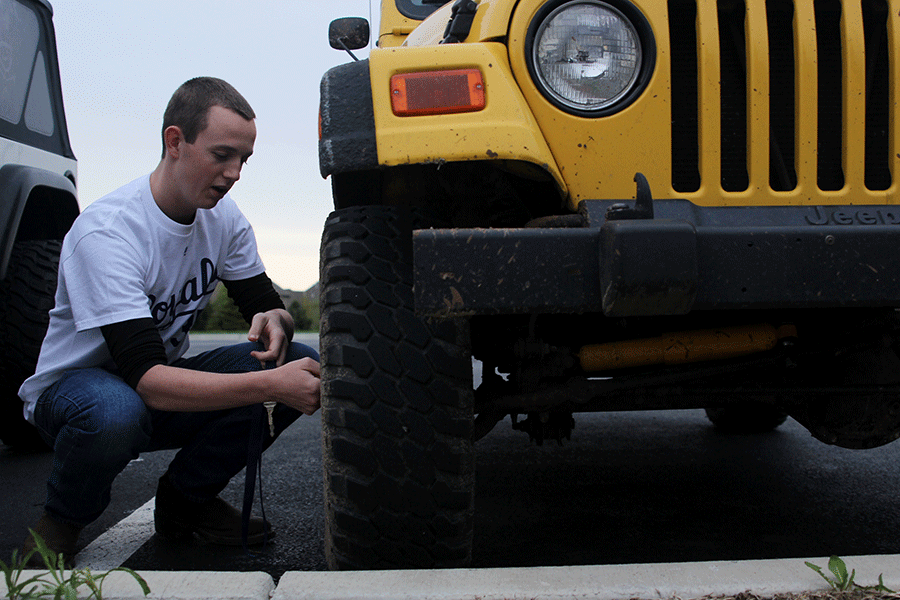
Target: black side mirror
column 349, row 33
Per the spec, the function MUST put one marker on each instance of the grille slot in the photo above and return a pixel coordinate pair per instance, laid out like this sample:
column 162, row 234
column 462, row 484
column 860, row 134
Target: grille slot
column 733, row 75
column 828, row 52
column 804, row 104
column 782, row 151
column 685, row 105
column 878, row 97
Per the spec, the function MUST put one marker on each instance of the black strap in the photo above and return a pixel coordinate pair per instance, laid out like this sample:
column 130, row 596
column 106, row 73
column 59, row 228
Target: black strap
column 258, row 429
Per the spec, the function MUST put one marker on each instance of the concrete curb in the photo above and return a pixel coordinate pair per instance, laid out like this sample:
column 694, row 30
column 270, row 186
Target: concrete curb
column 605, row 582
column 179, row 585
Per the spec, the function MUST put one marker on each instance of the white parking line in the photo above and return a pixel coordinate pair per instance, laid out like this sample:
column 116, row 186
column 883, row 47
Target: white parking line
column 119, row 542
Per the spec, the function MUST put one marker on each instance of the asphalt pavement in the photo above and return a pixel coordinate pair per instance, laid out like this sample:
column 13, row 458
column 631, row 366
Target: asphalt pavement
column 633, row 496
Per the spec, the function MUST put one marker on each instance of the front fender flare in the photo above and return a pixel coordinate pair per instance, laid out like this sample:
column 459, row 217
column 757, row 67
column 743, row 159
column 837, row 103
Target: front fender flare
column 17, row 184
column 347, row 120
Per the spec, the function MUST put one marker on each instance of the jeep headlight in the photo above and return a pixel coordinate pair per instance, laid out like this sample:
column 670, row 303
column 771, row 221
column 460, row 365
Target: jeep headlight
column 588, row 57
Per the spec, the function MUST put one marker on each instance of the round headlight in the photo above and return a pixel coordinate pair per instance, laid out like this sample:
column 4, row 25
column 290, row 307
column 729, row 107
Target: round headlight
column 587, row 56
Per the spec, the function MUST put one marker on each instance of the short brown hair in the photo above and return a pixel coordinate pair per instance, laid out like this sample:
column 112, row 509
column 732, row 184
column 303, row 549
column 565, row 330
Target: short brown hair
column 189, row 106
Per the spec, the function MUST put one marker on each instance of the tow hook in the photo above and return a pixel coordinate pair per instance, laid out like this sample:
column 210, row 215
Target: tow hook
column 643, row 204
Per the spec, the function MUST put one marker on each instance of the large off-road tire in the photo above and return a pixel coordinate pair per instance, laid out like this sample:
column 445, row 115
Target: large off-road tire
column 26, row 297
column 746, row 417
column 396, row 405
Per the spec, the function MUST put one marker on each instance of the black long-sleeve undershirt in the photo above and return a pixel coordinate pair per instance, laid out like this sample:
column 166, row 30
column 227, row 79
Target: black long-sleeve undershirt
column 136, row 345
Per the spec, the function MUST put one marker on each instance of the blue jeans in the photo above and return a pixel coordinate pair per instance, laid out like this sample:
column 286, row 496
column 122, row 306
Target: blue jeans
column 97, row 424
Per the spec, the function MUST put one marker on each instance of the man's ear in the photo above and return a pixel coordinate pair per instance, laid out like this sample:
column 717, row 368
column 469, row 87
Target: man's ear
column 173, row 138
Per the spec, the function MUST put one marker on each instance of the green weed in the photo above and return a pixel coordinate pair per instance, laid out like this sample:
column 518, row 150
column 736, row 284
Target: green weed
column 843, row 581
column 55, row 582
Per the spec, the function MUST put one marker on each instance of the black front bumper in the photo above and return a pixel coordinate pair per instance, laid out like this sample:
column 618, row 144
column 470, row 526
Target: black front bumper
column 685, row 258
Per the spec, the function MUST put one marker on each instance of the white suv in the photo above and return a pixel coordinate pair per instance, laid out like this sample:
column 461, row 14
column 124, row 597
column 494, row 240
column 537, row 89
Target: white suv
column 38, row 201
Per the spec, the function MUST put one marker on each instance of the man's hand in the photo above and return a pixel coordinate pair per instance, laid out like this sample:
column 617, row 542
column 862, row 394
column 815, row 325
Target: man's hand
column 275, row 329
column 297, row 384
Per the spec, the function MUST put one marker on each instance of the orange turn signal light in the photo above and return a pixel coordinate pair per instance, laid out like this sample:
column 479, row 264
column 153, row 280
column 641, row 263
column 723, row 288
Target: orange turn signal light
column 437, row 92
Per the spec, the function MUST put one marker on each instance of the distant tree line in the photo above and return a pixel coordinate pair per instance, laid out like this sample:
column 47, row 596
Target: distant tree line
column 221, row 314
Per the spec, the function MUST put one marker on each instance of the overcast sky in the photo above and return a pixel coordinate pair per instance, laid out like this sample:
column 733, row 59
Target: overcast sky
column 120, row 61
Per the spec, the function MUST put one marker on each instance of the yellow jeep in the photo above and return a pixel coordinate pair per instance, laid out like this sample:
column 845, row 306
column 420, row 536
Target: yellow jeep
column 609, row 205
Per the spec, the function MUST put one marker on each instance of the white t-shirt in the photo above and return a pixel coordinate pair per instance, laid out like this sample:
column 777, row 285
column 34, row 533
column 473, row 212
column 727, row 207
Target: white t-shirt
column 125, row 259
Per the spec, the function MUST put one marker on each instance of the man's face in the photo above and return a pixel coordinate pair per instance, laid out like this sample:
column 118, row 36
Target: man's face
column 208, row 168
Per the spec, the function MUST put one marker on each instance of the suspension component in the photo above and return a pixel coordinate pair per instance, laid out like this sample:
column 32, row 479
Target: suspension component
column 684, row 347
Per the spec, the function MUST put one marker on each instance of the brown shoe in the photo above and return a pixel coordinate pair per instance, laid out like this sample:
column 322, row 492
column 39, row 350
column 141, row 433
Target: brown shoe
column 59, row 537
column 214, row 521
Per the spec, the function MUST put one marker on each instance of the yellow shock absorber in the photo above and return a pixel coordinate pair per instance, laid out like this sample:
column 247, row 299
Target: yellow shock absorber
column 684, row 347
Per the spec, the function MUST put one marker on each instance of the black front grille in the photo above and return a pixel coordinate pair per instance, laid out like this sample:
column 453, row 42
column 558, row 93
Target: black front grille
column 806, row 41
